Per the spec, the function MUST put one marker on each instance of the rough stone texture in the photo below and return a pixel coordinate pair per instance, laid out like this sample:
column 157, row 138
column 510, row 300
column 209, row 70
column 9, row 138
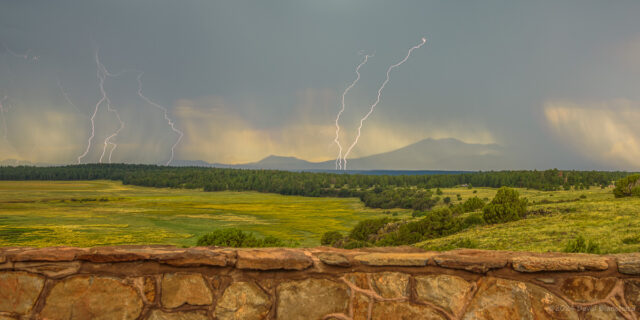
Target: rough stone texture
column 587, row 289
column 361, row 306
column 50, row 269
column 334, row 259
column 602, row 312
column 19, row 291
column 445, row 291
column 404, row 311
column 273, row 259
column 147, row 287
column 629, row 263
column 507, row 299
column 311, row 299
column 359, row 279
column 632, row 293
column 91, row 297
column 565, row 263
column 243, row 300
column 470, row 262
column 185, row 288
column 183, row 315
column 193, row 257
column 164, row 282
column 47, row 254
column 390, row 284
column 395, row 259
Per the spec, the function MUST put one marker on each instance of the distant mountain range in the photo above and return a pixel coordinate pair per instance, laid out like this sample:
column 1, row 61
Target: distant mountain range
column 427, row 154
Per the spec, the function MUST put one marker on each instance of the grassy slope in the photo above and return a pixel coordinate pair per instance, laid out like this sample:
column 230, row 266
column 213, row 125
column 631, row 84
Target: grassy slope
column 600, row 217
column 43, row 213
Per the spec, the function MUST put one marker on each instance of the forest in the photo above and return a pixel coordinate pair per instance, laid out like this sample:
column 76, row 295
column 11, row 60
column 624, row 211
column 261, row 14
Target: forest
column 376, row 191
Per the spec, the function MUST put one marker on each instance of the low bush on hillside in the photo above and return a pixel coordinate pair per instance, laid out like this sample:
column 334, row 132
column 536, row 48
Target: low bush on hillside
column 465, row 243
column 505, row 206
column 628, row 187
column 581, row 245
column 473, row 204
column 237, row 238
column 330, row 237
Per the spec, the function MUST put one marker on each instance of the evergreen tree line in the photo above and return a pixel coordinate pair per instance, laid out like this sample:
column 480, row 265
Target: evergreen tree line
column 378, row 191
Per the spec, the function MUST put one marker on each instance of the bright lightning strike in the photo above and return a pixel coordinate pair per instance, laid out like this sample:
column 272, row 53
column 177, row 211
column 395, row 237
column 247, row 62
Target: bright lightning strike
column 337, row 139
column 102, row 74
column 346, row 154
column 166, row 117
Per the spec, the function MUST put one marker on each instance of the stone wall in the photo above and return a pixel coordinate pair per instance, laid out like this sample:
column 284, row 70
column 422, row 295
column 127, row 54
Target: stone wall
column 162, row 282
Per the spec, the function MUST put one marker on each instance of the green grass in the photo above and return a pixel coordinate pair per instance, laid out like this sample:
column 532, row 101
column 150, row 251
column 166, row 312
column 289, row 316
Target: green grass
column 613, row 223
column 94, row 213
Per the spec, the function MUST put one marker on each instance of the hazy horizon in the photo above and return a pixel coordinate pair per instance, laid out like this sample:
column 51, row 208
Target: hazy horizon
column 553, row 84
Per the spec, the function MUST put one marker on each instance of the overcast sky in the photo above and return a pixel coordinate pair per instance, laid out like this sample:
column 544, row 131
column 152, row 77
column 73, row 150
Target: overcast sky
column 557, row 82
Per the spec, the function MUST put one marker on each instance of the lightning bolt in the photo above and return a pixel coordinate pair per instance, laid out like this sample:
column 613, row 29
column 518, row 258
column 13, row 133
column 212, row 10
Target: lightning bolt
column 102, row 74
column 166, row 117
column 337, row 139
column 373, row 106
column 24, row 56
column 67, row 98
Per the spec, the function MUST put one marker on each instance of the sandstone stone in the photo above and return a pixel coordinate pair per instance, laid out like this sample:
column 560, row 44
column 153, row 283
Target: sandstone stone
column 404, row 311
column 50, row 269
column 629, row 263
column 564, row 263
column 311, row 299
column 19, row 291
column 508, row 299
column 395, row 259
column 361, row 306
column 547, row 280
column 632, row 293
column 47, row 254
column 194, row 257
column 587, row 289
column 243, row 300
column 116, row 254
column 602, row 312
column 181, row 315
column 390, row 284
column 473, row 263
column 185, row 288
column 91, row 297
column 3, row 258
column 273, row 259
column 3, row 317
column 448, row 292
column 359, row 279
column 147, row 287
column 334, row 259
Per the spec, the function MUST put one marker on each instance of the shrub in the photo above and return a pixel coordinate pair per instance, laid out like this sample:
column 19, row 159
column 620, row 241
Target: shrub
column 236, row 238
column 354, row 244
column 473, row 204
column 627, row 187
column 580, row 245
column 439, row 192
column 447, row 200
column 330, row 237
column 505, row 206
column 366, row 228
column 473, row 219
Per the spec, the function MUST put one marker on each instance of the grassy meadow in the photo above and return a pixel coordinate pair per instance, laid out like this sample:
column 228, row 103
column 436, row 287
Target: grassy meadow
column 94, row 213
column 594, row 213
